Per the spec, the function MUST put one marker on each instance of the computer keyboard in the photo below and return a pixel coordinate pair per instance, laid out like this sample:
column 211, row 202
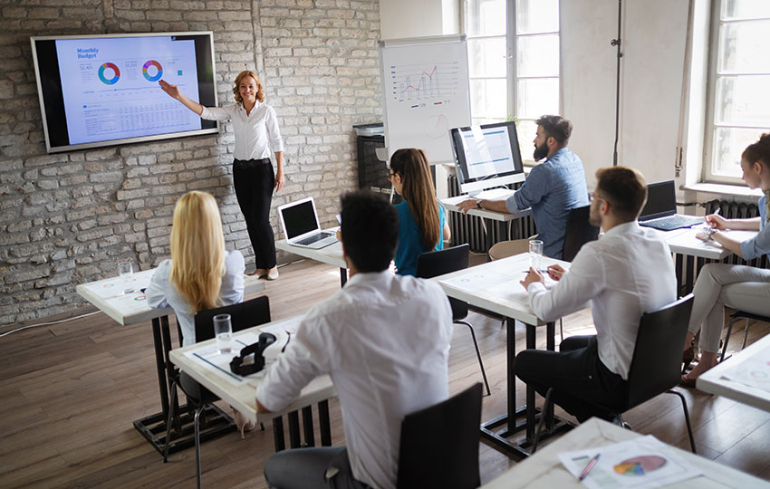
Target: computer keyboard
column 673, row 222
column 313, row 239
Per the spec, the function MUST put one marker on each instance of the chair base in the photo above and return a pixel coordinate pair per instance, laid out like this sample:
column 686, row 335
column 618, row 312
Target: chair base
column 521, row 448
column 153, row 428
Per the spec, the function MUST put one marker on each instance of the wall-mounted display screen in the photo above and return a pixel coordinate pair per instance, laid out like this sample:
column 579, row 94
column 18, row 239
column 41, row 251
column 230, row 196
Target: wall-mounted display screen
column 103, row 90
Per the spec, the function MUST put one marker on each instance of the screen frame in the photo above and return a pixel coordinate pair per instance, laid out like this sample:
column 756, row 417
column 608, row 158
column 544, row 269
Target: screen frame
column 657, row 189
column 45, row 109
column 475, row 185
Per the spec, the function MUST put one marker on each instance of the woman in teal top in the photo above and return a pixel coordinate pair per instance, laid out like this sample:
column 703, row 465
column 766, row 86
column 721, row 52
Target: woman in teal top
column 421, row 223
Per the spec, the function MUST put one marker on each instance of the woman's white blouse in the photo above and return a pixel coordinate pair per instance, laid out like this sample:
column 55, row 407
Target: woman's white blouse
column 255, row 134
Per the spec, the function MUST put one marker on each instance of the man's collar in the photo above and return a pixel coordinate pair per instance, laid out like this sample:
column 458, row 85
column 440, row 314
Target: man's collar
column 624, row 228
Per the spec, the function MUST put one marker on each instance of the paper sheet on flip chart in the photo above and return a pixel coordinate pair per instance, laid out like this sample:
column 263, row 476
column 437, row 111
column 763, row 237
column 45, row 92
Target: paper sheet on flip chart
column 641, row 463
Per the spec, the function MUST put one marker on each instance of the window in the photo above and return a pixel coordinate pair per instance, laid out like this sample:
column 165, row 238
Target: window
column 739, row 104
column 513, row 51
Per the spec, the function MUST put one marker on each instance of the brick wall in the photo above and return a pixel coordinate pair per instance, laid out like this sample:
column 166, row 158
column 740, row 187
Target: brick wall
column 66, row 219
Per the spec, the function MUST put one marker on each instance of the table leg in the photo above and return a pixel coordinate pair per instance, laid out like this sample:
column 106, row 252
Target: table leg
column 343, row 276
column 307, row 425
column 679, row 270
column 325, row 424
column 531, row 408
column 294, row 440
column 278, row 440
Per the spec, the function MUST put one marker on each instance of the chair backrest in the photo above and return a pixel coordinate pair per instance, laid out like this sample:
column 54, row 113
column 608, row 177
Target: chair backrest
column 657, row 362
column 242, row 315
column 579, row 232
column 435, row 263
column 440, row 445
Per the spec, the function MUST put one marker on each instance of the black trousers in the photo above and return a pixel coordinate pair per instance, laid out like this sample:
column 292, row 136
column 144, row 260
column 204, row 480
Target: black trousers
column 576, row 374
column 254, row 181
column 311, row 468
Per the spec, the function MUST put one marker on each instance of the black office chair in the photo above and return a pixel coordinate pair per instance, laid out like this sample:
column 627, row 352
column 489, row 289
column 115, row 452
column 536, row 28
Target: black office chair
column 656, row 364
column 242, row 315
column 741, row 315
column 579, row 232
column 439, row 445
column 435, row 263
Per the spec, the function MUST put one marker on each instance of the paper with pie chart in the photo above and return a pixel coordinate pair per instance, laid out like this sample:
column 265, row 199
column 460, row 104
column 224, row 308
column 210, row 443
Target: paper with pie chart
column 640, row 463
column 427, row 93
column 110, row 86
column 753, row 371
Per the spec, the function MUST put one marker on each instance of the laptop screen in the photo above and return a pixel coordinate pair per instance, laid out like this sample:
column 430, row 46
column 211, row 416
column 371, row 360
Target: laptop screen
column 661, row 201
column 299, row 219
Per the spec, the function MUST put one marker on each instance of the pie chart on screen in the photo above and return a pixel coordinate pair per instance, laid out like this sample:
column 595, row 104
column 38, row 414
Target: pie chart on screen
column 152, row 71
column 640, row 465
column 109, row 77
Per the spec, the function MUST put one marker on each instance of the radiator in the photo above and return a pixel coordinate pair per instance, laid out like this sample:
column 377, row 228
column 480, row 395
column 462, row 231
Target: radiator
column 471, row 230
column 730, row 210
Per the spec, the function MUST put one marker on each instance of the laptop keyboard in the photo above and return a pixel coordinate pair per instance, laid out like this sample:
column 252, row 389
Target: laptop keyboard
column 673, row 222
column 313, row 239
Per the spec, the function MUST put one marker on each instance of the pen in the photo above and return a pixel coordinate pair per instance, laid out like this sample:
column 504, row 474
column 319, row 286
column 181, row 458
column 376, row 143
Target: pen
column 541, row 271
column 591, row 465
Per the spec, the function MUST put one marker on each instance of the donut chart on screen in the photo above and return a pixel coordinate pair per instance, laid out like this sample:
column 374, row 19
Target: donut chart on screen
column 146, row 73
column 104, row 79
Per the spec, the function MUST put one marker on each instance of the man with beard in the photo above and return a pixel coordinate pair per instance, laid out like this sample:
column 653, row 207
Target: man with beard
column 627, row 272
column 551, row 189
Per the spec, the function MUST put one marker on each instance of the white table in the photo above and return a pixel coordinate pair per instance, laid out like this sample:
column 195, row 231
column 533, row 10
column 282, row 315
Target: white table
column 241, row 394
column 453, row 204
column 495, row 287
column 132, row 309
column 713, row 382
column 544, row 469
column 331, row 255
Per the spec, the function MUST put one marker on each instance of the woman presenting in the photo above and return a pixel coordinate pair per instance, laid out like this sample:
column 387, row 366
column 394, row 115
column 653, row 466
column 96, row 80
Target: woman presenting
column 256, row 132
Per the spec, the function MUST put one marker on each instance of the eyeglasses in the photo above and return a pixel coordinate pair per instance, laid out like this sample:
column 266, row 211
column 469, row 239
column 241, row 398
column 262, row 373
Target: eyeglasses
column 391, row 174
column 592, row 196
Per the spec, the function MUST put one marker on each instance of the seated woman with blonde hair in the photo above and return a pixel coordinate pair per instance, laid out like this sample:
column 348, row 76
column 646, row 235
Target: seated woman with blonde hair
column 200, row 274
column 421, row 223
column 738, row 286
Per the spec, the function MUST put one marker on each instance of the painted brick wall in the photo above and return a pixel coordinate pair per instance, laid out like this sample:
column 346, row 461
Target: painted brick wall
column 66, row 219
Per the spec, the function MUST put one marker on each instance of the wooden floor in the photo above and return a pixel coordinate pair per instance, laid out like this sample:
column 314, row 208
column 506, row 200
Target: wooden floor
column 71, row 391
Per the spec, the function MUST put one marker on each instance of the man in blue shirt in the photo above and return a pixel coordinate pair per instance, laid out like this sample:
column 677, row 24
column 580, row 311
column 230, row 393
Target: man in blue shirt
column 551, row 189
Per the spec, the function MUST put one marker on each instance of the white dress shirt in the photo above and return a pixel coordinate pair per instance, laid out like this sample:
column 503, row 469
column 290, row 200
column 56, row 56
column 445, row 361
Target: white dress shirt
column 625, row 273
column 384, row 339
column 255, row 134
column 162, row 293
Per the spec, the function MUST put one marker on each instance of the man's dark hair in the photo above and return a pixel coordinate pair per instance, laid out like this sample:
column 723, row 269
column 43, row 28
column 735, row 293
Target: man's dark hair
column 624, row 188
column 369, row 230
column 557, row 127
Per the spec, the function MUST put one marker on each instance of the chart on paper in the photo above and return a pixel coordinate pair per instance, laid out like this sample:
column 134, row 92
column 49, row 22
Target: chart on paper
column 419, row 85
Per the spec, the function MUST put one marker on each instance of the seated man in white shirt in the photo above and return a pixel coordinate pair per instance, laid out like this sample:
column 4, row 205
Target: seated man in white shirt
column 627, row 272
column 383, row 338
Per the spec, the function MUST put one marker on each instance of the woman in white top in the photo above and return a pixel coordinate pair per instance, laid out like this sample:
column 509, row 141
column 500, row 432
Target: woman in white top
column 256, row 131
column 200, row 274
column 738, row 286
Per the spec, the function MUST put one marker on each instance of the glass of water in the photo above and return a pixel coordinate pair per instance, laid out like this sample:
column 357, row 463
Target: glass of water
column 535, row 253
column 126, row 272
column 223, row 329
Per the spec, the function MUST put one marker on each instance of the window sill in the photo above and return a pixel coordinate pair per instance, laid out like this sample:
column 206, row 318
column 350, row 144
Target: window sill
column 725, row 190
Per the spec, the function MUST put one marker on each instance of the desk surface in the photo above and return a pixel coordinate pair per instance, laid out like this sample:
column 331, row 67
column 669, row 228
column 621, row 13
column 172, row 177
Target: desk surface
column 494, row 286
column 331, row 255
column 713, row 381
column 132, row 308
column 684, row 242
column 241, row 394
column 545, row 470
column 452, row 204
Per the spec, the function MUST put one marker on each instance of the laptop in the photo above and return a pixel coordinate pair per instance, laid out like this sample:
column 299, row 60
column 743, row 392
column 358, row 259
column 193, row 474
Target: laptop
column 660, row 210
column 300, row 225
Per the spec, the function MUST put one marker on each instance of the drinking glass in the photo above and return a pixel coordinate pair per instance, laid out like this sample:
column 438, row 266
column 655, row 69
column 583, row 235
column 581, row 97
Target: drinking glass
column 223, row 329
column 126, row 272
column 535, row 253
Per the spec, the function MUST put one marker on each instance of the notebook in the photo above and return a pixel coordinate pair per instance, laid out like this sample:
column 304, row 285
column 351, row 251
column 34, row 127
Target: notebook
column 300, row 225
column 660, row 210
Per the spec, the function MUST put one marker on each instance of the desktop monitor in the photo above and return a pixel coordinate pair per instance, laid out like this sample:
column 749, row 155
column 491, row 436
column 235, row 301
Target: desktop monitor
column 487, row 156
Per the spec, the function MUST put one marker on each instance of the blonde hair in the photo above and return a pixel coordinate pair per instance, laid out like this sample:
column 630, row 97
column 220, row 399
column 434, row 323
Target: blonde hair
column 412, row 165
column 239, row 78
column 197, row 250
